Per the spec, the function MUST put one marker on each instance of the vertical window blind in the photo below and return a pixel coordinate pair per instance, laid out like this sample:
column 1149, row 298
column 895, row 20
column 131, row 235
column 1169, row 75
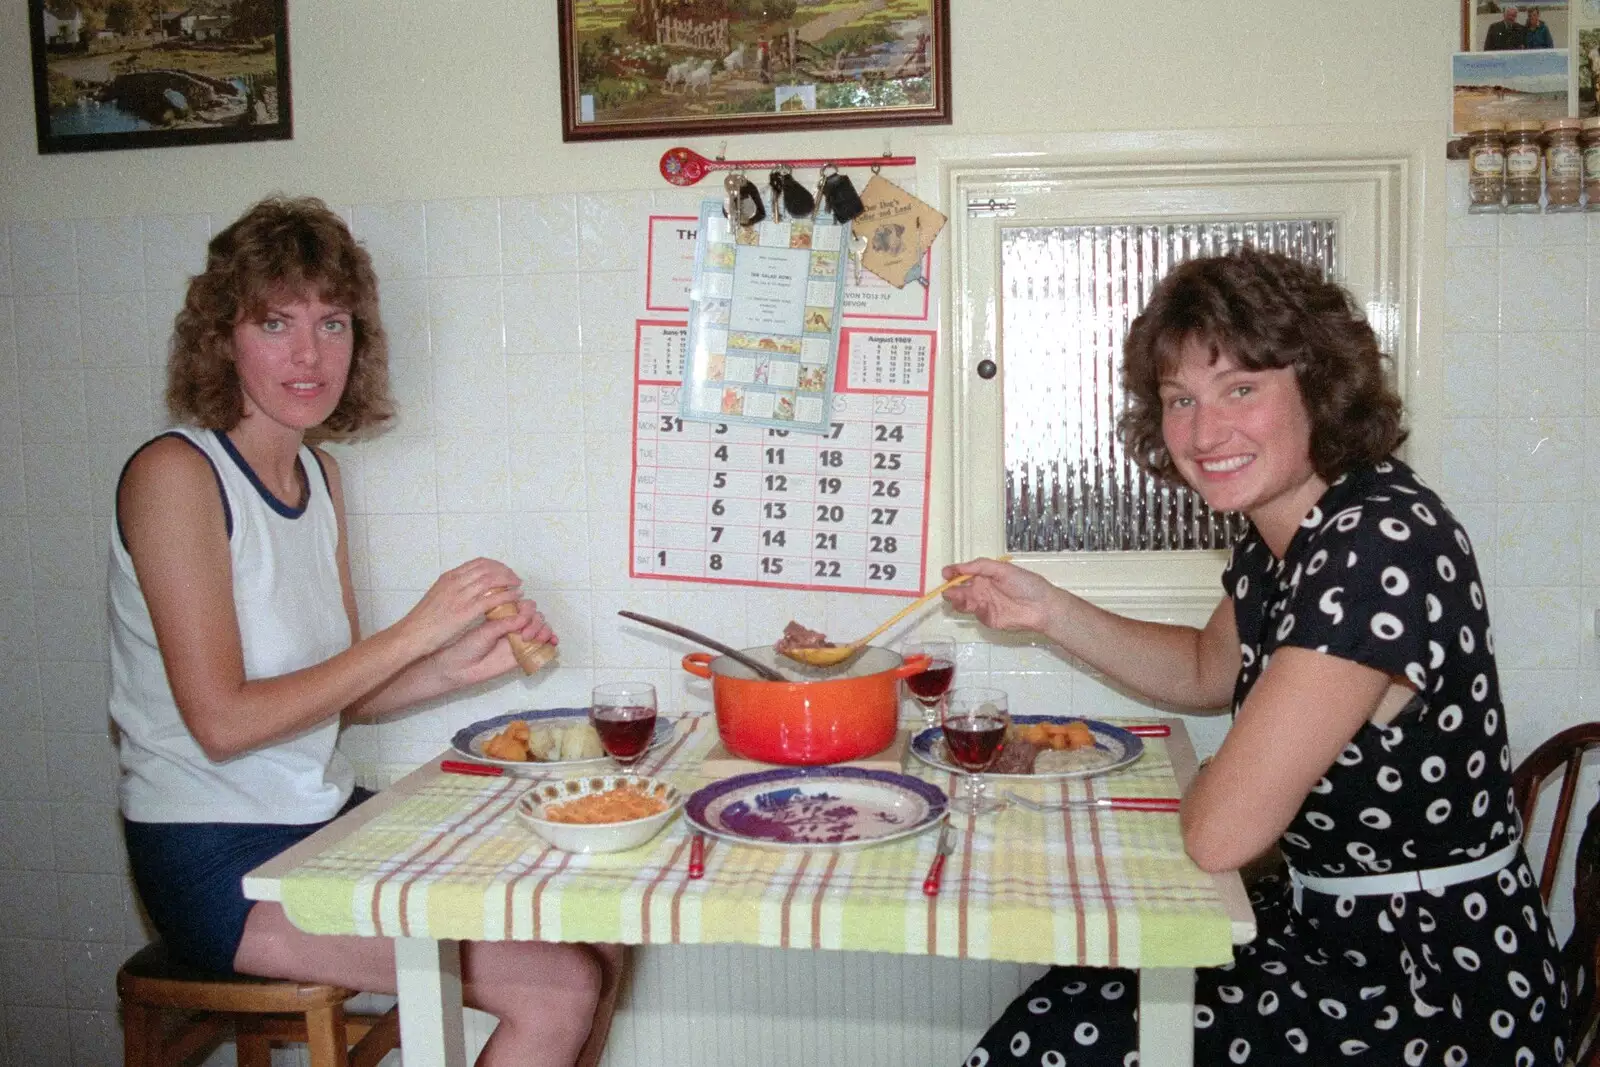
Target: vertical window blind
column 1069, row 294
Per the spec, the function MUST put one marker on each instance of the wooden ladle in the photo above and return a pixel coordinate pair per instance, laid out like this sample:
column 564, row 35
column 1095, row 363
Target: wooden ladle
column 832, row 655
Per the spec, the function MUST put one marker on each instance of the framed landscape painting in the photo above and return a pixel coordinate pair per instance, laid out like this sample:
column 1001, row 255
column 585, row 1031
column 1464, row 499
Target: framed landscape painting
column 650, row 68
column 139, row 74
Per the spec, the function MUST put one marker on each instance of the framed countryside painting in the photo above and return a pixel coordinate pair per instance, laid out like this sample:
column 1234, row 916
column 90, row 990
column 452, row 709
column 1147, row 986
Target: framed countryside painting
column 139, row 74
column 652, row 68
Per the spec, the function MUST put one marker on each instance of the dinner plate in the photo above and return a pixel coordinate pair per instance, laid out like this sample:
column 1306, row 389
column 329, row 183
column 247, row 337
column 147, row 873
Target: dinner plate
column 816, row 807
column 469, row 740
column 1118, row 747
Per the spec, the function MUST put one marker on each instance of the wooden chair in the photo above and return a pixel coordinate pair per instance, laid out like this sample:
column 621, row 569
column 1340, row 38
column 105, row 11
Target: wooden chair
column 258, row 1012
column 1581, row 955
column 262, row 1012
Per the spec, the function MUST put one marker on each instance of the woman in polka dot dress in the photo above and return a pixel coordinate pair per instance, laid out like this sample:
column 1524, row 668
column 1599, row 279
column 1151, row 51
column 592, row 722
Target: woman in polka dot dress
column 1369, row 739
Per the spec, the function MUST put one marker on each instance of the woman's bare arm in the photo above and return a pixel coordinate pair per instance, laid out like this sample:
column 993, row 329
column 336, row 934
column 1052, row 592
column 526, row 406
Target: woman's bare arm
column 1176, row 665
column 477, row 655
column 172, row 519
column 1297, row 719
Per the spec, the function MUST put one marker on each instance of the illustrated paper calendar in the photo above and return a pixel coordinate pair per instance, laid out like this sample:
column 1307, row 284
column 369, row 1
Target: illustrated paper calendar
column 764, row 312
column 729, row 501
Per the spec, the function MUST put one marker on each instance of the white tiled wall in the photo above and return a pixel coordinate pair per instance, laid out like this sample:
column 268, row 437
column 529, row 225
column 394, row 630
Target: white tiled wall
column 511, row 329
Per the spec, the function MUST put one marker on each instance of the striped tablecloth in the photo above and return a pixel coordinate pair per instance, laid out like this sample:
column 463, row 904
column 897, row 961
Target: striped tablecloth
column 451, row 862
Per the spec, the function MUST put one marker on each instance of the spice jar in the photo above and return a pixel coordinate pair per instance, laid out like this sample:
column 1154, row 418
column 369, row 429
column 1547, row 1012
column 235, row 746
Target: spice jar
column 1589, row 142
column 1524, row 165
column 1486, row 167
column 1563, row 166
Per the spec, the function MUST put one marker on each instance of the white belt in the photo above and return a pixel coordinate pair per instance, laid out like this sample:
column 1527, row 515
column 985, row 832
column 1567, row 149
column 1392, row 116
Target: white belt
column 1368, row 885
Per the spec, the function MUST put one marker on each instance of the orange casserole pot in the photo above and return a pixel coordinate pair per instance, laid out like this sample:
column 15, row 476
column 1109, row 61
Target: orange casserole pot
column 829, row 719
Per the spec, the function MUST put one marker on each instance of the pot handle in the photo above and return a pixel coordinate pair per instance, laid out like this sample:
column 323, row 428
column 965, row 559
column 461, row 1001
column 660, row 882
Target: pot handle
column 698, row 664
column 913, row 665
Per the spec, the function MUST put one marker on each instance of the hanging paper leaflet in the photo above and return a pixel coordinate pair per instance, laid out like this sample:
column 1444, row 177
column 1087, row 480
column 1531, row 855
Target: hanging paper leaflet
column 763, row 323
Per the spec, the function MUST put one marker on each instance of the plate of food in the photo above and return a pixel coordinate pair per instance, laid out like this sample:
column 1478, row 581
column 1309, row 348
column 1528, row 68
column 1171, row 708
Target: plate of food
column 533, row 742
column 816, row 807
column 1044, row 746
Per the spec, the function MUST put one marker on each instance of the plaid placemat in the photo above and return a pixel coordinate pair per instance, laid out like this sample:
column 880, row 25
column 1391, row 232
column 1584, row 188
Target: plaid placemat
column 1102, row 888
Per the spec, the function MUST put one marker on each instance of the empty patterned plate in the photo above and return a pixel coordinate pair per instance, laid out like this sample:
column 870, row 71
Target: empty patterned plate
column 816, row 807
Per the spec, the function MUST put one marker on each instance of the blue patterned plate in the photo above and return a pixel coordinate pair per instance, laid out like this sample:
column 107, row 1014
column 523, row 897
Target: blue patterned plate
column 816, row 807
column 469, row 740
column 1114, row 748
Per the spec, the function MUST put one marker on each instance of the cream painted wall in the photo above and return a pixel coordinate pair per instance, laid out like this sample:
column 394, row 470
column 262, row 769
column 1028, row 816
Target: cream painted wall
column 432, row 98
column 426, row 156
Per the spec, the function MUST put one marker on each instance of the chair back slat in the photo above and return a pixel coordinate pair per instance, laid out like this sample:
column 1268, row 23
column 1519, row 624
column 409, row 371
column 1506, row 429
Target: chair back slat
column 1558, row 825
column 1565, row 753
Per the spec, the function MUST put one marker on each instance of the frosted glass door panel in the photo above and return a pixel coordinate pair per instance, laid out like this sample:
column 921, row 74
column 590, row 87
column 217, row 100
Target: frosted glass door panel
column 1068, row 295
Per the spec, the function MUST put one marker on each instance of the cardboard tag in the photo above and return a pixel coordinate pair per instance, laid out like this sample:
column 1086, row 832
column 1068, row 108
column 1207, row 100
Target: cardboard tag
column 898, row 228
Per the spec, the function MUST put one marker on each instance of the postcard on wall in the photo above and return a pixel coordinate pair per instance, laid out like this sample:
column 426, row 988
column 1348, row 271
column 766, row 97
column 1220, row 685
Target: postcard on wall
column 1501, row 86
column 1586, row 27
column 1504, row 26
column 764, row 314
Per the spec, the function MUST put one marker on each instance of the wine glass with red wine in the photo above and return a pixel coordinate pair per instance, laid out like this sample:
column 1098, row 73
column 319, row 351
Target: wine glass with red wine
column 624, row 715
column 974, row 732
column 928, row 687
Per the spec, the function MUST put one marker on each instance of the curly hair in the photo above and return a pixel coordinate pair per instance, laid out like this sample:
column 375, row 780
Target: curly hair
column 281, row 246
column 1266, row 311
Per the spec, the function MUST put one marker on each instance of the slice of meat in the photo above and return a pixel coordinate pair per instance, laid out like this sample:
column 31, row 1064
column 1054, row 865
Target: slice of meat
column 797, row 636
column 1016, row 757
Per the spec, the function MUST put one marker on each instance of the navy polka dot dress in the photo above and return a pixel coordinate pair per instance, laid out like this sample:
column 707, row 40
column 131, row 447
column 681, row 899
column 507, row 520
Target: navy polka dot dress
column 1379, row 573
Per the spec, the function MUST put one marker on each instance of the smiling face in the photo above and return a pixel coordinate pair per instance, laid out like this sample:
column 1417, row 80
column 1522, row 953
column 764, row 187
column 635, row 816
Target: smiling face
column 293, row 359
column 1241, row 439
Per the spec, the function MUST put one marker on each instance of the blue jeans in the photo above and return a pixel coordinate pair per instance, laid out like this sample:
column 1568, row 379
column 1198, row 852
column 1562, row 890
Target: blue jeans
column 190, row 878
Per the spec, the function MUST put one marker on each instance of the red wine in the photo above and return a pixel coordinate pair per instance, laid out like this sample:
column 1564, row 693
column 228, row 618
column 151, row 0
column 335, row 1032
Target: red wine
column 625, row 732
column 974, row 740
column 929, row 685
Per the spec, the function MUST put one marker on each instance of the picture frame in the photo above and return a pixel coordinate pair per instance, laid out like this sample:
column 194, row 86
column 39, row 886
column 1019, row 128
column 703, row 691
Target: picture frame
column 115, row 76
column 654, row 68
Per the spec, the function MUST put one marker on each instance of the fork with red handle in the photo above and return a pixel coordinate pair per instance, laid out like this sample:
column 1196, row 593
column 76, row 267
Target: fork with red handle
column 1169, row 804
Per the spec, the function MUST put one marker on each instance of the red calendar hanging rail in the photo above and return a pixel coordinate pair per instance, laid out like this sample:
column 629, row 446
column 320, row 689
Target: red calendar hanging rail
column 685, row 166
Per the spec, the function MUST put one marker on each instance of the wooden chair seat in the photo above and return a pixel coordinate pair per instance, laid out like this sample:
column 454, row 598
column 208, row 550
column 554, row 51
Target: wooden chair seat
column 258, row 1012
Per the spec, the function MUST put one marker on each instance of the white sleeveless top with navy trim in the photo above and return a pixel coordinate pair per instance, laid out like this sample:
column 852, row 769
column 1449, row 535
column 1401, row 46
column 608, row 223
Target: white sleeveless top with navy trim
column 291, row 615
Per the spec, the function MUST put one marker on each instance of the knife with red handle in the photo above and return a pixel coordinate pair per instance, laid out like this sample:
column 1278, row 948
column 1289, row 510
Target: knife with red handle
column 697, row 855
column 482, row 770
column 1155, row 729
column 947, row 845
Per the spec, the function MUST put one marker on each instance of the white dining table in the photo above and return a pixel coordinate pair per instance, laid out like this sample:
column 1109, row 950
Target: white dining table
column 573, row 901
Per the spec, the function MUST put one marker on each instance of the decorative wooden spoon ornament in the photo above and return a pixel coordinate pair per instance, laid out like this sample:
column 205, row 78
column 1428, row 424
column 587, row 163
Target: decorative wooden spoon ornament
column 685, row 166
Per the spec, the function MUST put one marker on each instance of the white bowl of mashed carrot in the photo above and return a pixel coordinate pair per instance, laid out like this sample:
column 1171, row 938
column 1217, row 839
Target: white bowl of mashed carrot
column 601, row 812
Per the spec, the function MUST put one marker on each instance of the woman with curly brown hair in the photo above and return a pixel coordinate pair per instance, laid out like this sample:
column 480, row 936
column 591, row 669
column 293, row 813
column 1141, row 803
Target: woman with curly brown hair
column 1369, row 740
column 236, row 648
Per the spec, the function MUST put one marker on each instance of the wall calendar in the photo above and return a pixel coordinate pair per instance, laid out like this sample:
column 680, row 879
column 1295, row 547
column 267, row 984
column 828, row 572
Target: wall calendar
column 842, row 509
